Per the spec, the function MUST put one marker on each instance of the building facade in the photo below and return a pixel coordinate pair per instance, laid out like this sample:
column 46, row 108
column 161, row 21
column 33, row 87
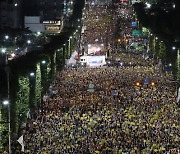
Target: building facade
column 50, row 13
column 34, row 24
column 12, row 12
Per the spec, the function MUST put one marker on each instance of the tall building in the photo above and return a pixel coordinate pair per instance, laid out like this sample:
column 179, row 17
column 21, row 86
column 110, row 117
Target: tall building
column 10, row 14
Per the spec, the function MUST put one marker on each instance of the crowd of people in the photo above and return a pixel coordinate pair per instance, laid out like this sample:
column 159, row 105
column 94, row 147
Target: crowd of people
column 139, row 118
column 99, row 25
column 123, row 109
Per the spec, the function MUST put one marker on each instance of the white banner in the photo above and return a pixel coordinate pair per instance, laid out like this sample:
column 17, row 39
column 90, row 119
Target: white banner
column 178, row 96
column 21, row 141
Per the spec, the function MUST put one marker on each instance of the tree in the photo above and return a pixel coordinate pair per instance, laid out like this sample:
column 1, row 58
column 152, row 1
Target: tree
column 162, row 50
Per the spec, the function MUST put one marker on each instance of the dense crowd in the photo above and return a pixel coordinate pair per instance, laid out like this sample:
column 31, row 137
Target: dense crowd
column 99, row 25
column 139, row 118
column 123, row 109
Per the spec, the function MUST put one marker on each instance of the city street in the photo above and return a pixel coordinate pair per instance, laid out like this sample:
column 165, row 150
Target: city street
column 125, row 106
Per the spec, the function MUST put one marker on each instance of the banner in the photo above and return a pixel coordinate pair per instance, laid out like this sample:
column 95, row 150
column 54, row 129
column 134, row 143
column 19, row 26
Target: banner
column 20, row 140
column 137, row 32
column 133, row 24
column 178, row 96
column 91, row 87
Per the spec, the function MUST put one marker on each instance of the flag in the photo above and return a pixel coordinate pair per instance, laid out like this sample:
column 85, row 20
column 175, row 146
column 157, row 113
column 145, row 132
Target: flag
column 28, row 115
column 20, row 140
column 178, row 96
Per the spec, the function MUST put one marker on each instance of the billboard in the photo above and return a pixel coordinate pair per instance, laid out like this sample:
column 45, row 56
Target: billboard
column 137, row 32
column 95, row 48
column 93, row 61
column 134, row 24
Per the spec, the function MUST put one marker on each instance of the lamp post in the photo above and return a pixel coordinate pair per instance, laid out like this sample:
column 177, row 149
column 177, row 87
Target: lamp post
column 6, row 56
column 28, row 45
column 154, row 46
column 6, row 102
column 69, row 46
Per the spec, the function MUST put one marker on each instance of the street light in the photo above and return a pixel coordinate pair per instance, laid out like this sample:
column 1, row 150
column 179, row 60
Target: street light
column 28, row 42
column 6, row 102
column 43, row 62
column 32, row 74
column 137, row 84
column 38, row 33
column 6, row 37
column 152, row 84
column 174, row 48
column 174, row 6
column 3, row 50
column 69, row 45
